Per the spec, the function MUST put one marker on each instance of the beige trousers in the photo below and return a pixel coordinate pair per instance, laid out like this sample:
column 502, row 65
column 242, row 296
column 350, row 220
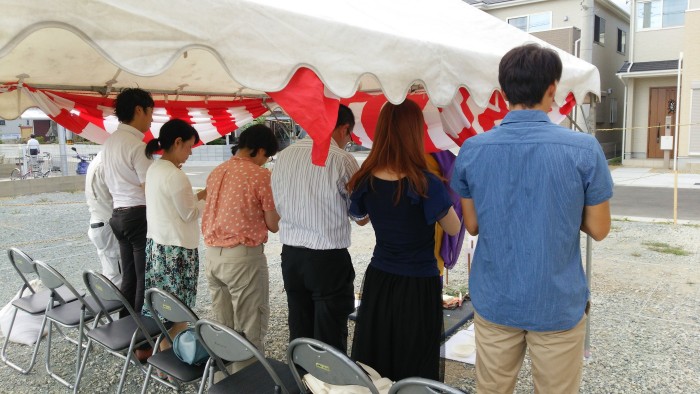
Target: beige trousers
column 557, row 357
column 239, row 283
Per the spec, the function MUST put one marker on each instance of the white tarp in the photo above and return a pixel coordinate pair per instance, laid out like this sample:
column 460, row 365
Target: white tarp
column 254, row 46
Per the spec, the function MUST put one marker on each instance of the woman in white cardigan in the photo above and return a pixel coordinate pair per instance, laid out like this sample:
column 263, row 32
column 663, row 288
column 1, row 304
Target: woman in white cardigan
column 172, row 210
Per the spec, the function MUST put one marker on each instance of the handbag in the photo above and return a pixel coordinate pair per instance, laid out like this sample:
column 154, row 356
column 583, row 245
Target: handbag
column 188, row 349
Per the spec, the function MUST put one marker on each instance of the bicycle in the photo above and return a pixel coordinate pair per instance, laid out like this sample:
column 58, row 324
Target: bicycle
column 34, row 167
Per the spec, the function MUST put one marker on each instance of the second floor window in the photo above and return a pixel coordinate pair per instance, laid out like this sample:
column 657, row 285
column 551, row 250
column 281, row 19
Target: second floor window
column 532, row 23
column 599, row 30
column 621, row 41
column 657, row 14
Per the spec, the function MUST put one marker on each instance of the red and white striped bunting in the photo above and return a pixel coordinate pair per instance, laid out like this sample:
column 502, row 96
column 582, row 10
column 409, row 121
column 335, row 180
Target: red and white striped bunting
column 93, row 117
column 307, row 101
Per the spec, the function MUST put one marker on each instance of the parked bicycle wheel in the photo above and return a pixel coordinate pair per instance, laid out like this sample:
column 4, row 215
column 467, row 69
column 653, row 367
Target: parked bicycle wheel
column 15, row 174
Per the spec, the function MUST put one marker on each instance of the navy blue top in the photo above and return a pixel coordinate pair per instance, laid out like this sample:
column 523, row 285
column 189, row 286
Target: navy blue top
column 530, row 180
column 405, row 233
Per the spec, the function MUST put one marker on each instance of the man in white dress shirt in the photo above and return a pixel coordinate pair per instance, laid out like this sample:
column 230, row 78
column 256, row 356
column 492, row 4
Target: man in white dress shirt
column 99, row 203
column 314, row 229
column 33, row 146
column 125, row 165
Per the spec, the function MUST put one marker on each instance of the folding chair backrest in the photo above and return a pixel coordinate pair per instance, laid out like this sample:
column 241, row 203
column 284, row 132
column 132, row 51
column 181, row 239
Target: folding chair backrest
column 326, row 363
column 53, row 280
column 225, row 343
column 102, row 289
column 23, row 264
column 168, row 306
column 221, row 342
column 422, row 386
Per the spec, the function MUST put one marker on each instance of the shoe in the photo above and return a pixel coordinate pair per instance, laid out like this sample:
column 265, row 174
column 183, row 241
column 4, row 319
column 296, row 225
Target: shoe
column 143, row 354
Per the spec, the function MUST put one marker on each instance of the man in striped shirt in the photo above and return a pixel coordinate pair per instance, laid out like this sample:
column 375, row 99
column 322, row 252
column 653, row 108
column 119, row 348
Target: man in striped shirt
column 315, row 232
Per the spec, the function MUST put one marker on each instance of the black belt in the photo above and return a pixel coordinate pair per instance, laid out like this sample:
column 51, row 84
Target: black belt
column 96, row 225
column 122, row 209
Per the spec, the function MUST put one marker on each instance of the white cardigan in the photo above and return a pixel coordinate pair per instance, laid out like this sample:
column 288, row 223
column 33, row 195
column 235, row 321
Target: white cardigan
column 172, row 208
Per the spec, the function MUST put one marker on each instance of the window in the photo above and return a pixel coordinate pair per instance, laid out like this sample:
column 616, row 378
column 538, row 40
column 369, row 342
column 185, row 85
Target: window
column 599, row 30
column 657, row 14
column 621, row 41
column 532, row 23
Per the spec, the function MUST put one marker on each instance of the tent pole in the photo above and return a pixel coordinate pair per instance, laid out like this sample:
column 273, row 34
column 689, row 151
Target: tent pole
column 62, row 149
column 591, row 127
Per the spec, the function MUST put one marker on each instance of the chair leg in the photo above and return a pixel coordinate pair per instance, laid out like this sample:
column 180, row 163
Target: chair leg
column 129, row 355
column 3, row 354
column 82, row 367
column 205, row 377
column 147, row 379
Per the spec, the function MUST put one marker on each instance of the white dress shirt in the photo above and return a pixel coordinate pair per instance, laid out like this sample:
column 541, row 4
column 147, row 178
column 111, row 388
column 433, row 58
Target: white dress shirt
column 172, row 208
column 125, row 166
column 99, row 200
column 312, row 201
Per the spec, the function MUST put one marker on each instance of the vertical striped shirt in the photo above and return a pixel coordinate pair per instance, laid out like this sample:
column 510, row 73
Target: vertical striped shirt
column 312, row 201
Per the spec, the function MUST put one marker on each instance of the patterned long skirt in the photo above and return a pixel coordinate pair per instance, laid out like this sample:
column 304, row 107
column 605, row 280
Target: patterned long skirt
column 174, row 269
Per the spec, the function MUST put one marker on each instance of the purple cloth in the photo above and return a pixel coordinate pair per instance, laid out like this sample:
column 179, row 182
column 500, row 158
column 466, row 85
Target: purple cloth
column 451, row 244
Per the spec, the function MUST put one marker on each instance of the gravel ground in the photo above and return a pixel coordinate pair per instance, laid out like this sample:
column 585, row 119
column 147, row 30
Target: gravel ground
column 645, row 317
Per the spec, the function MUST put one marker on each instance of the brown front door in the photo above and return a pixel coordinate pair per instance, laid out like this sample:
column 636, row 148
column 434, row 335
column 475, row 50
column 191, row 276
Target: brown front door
column 662, row 103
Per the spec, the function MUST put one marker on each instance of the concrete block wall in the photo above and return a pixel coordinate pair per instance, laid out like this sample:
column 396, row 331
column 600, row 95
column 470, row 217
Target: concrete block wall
column 73, row 183
column 217, row 153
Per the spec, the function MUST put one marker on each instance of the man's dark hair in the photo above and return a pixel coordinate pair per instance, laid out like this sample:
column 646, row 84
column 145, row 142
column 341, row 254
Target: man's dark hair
column 525, row 73
column 126, row 102
column 171, row 131
column 32, row 136
column 256, row 137
column 345, row 116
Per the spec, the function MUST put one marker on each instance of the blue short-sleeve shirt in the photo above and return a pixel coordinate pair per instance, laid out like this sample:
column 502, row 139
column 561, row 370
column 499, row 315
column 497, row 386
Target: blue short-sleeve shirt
column 405, row 232
column 530, row 180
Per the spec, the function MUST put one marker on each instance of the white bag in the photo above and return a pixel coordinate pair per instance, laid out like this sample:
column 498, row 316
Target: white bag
column 26, row 327
column 317, row 386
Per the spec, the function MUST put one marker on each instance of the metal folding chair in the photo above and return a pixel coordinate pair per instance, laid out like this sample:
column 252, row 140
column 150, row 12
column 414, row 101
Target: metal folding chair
column 116, row 336
column 163, row 304
column 325, row 363
column 226, row 345
column 422, row 386
column 33, row 304
column 75, row 314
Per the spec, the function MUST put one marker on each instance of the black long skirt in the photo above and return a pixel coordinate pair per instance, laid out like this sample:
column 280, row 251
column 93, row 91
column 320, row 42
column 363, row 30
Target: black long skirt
column 399, row 325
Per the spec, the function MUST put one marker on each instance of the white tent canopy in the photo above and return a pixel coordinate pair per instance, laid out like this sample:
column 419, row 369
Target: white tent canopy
column 248, row 47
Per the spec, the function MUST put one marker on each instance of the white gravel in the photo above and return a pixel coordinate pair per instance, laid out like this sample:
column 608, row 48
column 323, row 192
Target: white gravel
column 645, row 314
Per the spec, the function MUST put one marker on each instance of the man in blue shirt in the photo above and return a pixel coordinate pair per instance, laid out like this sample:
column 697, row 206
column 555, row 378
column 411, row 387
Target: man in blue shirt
column 528, row 187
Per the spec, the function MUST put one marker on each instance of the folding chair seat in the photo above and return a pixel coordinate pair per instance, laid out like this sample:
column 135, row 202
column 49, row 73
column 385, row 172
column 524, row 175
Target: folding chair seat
column 422, row 386
column 34, row 304
column 69, row 315
column 116, row 336
column 226, row 345
column 163, row 304
column 325, row 363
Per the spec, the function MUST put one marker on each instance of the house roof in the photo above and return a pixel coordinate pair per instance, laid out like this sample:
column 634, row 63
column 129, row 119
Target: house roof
column 659, row 65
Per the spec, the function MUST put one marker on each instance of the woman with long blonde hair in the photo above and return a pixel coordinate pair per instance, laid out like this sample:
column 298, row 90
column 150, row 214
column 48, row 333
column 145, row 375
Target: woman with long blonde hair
column 399, row 323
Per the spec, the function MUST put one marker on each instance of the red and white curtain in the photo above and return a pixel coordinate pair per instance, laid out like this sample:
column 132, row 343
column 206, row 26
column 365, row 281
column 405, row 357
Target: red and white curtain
column 93, row 117
column 309, row 103
column 305, row 99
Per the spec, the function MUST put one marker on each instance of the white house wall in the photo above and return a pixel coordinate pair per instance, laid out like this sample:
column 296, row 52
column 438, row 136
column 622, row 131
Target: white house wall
column 690, row 79
column 658, row 44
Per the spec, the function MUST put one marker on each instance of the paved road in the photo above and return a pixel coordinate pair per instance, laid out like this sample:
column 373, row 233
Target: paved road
column 651, row 202
column 655, row 202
